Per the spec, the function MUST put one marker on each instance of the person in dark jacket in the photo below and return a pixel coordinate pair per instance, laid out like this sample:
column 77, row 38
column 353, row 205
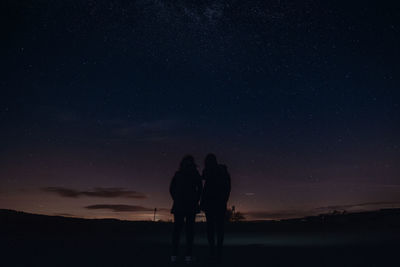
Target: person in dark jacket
column 217, row 188
column 185, row 189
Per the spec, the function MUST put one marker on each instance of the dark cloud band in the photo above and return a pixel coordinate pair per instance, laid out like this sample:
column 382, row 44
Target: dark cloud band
column 284, row 214
column 118, row 208
column 96, row 192
column 358, row 205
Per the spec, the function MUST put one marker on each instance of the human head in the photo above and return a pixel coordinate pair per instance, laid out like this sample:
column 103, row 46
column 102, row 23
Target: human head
column 187, row 163
column 210, row 161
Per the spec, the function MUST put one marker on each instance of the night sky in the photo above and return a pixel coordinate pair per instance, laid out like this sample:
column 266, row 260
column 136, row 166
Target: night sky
column 100, row 100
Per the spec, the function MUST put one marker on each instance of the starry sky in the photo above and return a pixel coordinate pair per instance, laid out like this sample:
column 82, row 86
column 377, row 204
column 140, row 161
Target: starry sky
column 100, row 100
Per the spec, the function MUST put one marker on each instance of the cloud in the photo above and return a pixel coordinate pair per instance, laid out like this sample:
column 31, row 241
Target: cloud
column 355, row 206
column 118, row 208
column 112, row 192
column 64, row 214
column 285, row 214
column 280, row 214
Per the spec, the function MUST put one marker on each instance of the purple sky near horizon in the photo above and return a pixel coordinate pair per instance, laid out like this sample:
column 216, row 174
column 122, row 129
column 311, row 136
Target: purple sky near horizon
column 101, row 99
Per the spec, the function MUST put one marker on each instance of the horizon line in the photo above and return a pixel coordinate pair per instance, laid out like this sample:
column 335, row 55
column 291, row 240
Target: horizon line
column 71, row 216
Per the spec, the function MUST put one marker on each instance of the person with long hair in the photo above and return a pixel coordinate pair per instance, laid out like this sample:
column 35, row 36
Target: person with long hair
column 185, row 189
column 217, row 188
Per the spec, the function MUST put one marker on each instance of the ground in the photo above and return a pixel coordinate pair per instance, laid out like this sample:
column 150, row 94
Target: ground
column 30, row 240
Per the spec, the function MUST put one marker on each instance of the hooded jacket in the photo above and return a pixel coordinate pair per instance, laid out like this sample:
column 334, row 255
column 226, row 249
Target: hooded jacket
column 185, row 189
column 217, row 188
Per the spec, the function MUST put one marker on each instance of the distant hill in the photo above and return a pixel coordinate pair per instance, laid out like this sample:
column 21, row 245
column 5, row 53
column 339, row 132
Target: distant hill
column 20, row 222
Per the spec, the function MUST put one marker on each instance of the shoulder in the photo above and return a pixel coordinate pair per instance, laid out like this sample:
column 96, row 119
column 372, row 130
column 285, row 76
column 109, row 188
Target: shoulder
column 177, row 174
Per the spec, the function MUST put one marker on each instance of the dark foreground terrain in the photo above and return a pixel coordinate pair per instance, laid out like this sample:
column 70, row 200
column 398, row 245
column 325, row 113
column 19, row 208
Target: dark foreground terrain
column 364, row 239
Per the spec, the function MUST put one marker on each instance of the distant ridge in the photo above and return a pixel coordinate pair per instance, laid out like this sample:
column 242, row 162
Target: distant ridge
column 4, row 213
column 8, row 215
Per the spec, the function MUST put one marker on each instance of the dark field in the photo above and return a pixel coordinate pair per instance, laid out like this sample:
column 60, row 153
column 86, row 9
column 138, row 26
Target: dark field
column 362, row 240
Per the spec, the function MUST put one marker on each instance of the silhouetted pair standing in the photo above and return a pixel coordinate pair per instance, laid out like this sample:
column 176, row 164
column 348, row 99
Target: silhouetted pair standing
column 187, row 191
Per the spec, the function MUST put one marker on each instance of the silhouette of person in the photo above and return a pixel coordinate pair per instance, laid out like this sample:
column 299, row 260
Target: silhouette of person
column 185, row 189
column 217, row 188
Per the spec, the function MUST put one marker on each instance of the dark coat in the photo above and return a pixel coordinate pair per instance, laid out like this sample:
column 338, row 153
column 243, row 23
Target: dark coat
column 217, row 188
column 185, row 190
